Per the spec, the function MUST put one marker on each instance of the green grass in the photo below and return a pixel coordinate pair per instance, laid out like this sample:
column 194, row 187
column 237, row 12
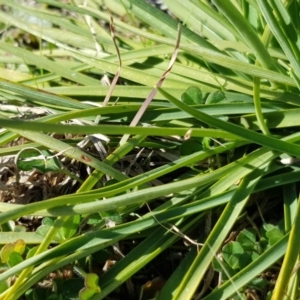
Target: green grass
column 198, row 177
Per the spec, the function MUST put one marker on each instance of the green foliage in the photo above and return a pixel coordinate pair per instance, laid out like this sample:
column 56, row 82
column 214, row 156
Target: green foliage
column 30, row 159
column 190, row 146
column 246, row 248
column 91, row 287
column 231, row 98
column 192, row 95
column 65, row 232
column 272, row 233
column 10, row 249
column 66, row 290
column 216, row 97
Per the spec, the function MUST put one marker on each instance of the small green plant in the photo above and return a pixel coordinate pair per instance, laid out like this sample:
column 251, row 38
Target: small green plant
column 11, row 254
column 91, row 287
column 245, row 249
column 35, row 159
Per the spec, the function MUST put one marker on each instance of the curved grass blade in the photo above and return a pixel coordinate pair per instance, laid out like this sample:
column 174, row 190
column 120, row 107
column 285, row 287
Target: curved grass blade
column 273, row 143
column 222, row 228
column 247, row 32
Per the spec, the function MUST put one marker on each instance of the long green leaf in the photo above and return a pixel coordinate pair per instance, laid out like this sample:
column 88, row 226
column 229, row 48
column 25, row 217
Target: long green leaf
column 276, row 144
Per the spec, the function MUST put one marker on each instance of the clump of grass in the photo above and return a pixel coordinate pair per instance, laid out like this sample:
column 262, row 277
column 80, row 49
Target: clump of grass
column 194, row 200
